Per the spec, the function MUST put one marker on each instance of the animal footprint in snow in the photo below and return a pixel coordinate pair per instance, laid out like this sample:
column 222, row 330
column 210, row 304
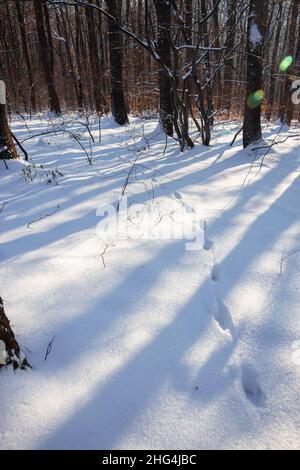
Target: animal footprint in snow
column 223, row 316
column 207, row 243
column 178, row 195
column 215, row 272
column 251, row 385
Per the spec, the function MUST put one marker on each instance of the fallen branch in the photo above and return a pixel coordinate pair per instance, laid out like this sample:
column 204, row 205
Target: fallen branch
column 43, row 217
column 275, row 143
column 21, row 146
column 63, row 131
column 49, row 348
column 3, row 205
column 235, row 137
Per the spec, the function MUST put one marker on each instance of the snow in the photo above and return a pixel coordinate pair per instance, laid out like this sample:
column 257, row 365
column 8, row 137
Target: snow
column 255, row 36
column 155, row 345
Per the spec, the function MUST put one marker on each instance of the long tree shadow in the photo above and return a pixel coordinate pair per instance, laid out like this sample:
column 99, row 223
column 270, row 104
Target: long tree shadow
column 18, row 246
column 113, row 406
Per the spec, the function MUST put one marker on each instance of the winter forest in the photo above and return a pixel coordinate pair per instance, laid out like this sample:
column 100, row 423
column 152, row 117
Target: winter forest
column 150, row 224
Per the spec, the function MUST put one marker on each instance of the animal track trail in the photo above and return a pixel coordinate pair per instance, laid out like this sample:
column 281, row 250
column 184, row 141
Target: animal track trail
column 251, row 385
column 221, row 312
column 249, row 377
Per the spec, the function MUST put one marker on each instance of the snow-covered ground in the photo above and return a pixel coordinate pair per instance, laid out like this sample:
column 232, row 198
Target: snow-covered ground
column 155, row 345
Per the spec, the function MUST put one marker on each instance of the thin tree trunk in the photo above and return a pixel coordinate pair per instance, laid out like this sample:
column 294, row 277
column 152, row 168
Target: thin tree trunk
column 163, row 12
column 118, row 104
column 26, row 56
column 287, row 108
column 273, row 66
column 45, row 58
column 255, row 34
column 7, row 146
column 229, row 43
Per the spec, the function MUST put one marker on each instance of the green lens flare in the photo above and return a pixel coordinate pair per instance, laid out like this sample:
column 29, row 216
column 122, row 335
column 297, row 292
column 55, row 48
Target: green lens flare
column 255, row 99
column 286, row 63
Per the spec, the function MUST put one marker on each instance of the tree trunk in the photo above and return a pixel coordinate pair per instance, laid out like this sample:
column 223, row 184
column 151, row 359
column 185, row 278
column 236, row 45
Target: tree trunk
column 45, row 56
column 254, row 95
column 94, row 60
column 78, row 55
column 163, row 12
column 229, row 63
column 26, row 56
column 7, row 146
column 118, row 103
column 274, row 65
column 287, row 106
column 13, row 353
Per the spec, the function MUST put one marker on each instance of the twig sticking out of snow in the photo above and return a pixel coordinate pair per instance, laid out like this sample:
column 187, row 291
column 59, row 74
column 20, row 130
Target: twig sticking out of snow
column 286, row 256
column 275, row 143
column 49, row 347
column 127, row 180
column 247, row 178
column 107, row 245
column 238, row 132
column 3, row 205
column 21, row 146
column 43, row 217
column 55, row 131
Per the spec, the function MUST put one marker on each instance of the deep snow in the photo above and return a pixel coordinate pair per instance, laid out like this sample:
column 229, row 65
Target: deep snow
column 155, row 346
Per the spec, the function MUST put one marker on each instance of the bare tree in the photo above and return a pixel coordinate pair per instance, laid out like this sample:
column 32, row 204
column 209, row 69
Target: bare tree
column 163, row 12
column 287, row 107
column 254, row 94
column 118, row 103
column 7, row 146
column 46, row 57
column 20, row 15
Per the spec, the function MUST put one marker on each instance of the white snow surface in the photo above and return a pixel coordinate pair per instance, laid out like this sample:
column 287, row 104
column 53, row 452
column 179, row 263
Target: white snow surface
column 155, row 346
column 255, row 36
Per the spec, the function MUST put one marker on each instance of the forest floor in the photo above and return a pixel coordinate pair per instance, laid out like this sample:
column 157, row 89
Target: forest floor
column 156, row 342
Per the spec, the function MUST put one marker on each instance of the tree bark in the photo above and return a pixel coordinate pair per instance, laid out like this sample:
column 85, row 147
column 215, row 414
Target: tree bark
column 255, row 34
column 287, row 106
column 12, row 348
column 46, row 60
column 118, row 103
column 26, row 56
column 7, row 146
column 163, row 13
column 94, row 60
column 229, row 43
column 274, row 65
